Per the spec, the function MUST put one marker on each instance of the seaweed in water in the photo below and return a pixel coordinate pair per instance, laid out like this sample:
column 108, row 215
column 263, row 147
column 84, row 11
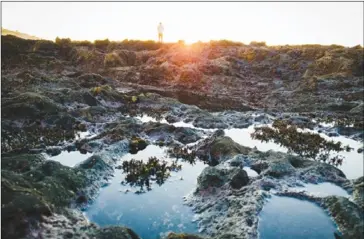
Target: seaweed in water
column 140, row 174
column 305, row 144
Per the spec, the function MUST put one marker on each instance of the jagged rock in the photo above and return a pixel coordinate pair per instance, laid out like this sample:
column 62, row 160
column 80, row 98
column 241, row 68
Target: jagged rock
column 183, row 236
column 219, row 149
column 28, row 105
column 115, row 232
column 239, row 179
column 53, row 151
column 217, row 177
column 358, row 192
column 91, row 80
column 137, row 144
column 347, row 215
column 211, row 177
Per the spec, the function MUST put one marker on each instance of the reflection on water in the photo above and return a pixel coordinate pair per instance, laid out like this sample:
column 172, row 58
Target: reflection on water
column 280, row 218
column 323, row 189
column 180, row 124
column 70, row 159
column 352, row 164
column 250, row 172
column 303, row 143
column 145, row 119
column 149, row 214
column 243, row 137
column 140, row 174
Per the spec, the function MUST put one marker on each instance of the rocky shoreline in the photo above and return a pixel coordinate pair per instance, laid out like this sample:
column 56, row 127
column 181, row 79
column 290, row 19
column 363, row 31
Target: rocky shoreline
column 53, row 93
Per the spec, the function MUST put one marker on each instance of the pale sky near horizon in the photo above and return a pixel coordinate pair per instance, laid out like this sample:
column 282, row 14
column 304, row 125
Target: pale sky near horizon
column 277, row 23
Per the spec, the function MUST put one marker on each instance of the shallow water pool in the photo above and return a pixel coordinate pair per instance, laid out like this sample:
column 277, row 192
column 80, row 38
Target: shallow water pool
column 352, row 165
column 323, row 189
column 250, row 172
column 154, row 212
column 70, row 159
column 242, row 136
column 280, row 218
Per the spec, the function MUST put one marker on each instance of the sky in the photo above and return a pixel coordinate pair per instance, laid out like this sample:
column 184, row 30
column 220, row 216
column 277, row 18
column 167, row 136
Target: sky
column 276, row 23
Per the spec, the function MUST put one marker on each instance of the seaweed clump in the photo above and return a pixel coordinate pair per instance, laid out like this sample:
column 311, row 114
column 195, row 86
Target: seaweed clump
column 304, row 144
column 140, row 174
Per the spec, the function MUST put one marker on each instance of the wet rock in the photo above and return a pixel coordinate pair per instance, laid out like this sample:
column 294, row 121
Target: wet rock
column 68, row 235
column 275, row 164
column 115, row 232
column 219, row 133
column 333, row 134
column 91, row 80
column 153, row 129
column 219, row 149
column 358, row 193
column 53, row 151
column 239, row 179
column 19, row 206
column 120, row 58
column 211, row 177
column 358, row 109
column 347, row 131
column 236, row 162
column 263, row 119
column 89, row 99
column 172, row 119
column 209, row 122
column 21, row 163
column 137, row 144
column 347, row 215
column 318, row 172
column 299, row 121
column 186, row 135
column 173, row 235
column 94, row 162
column 28, row 105
column 259, row 166
column 43, row 186
column 279, row 169
column 162, row 131
column 191, row 77
column 342, row 107
column 217, row 177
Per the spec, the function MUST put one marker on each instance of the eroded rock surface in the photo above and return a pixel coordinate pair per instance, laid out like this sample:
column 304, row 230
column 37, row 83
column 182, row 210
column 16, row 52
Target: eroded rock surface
column 53, row 94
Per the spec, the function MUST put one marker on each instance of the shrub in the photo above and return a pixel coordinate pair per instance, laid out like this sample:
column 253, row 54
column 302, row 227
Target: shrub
column 102, row 44
column 248, row 55
column 225, row 43
column 112, row 60
column 83, row 55
column 82, row 43
column 63, row 41
column 258, row 44
column 44, row 45
column 181, row 42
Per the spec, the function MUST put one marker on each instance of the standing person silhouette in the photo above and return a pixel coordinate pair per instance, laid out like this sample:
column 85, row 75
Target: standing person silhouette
column 160, row 32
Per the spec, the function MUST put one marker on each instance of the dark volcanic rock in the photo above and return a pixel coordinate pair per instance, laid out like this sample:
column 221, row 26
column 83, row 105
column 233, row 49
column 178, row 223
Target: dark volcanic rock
column 220, row 148
column 137, row 144
column 183, row 236
column 347, row 215
column 217, row 177
column 115, row 232
column 239, row 179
